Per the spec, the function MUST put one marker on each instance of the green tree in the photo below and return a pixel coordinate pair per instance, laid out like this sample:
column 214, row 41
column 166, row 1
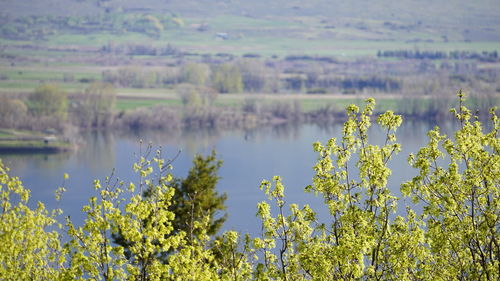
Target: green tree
column 194, row 200
column 357, row 242
column 195, row 73
column 48, row 100
column 189, row 94
column 30, row 238
column 148, row 24
column 227, row 79
column 92, row 252
column 196, row 96
column 12, row 112
column 196, row 196
column 455, row 237
column 461, row 205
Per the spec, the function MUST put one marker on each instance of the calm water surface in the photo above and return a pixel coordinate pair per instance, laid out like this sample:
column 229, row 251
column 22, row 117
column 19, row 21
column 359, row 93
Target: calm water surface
column 249, row 157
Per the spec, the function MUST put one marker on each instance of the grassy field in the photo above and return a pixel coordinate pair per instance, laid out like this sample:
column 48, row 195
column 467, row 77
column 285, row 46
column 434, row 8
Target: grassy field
column 11, row 145
column 47, row 74
column 20, row 86
column 306, row 102
column 272, row 43
column 127, row 104
column 272, row 33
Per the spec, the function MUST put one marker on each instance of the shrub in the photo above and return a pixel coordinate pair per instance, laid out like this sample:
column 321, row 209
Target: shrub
column 13, row 112
column 227, row 79
column 49, row 101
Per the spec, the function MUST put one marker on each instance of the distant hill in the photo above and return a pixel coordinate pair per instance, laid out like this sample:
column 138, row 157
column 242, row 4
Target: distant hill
column 255, row 23
column 482, row 16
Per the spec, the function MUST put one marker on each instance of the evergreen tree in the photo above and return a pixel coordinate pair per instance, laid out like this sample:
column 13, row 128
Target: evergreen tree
column 194, row 200
column 196, row 197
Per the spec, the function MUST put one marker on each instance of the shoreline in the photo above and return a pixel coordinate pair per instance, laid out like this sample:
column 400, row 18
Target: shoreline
column 15, row 141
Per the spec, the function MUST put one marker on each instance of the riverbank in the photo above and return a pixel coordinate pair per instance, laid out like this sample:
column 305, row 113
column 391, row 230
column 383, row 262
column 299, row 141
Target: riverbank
column 231, row 112
column 15, row 141
column 227, row 112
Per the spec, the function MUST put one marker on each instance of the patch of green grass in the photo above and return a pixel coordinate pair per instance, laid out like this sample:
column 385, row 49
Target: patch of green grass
column 29, row 85
column 280, row 45
column 47, row 74
column 315, row 104
column 4, row 134
column 6, row 145
column 277, row 36
column 18, row 85
column 128, row 104
column 13, row 133
column 20, row 140
column 138, row 91
column 33, row 53
column 273, row 36
column 97, row 39
column 227, row 102
column 22, row 74
column 307, row 103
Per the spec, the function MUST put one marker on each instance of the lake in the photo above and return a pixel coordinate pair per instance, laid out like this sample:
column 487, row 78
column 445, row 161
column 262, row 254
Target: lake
column 249, row 157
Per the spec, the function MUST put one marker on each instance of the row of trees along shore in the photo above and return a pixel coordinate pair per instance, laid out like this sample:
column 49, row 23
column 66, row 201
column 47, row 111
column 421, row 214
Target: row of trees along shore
column 49, row 107
column 449, row 232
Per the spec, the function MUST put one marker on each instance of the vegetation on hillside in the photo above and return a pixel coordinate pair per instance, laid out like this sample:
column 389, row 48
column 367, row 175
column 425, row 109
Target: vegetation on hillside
column 451, row 231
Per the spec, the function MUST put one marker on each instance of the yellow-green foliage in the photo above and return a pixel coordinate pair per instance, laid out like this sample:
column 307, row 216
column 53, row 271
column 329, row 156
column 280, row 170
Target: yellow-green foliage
column 455, row 236
column 227, row 79
column 12, row 112
column 461, row 199
column 49, row 100
column 195, row 73
column 30, row 247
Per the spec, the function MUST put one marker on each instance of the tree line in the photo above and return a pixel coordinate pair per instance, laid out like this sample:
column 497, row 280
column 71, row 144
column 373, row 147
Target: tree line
column 248, row 76
column 484, row 56
column 49, row 107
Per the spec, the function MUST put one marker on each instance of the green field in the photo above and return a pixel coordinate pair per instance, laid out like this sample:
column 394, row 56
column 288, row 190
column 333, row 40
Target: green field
column 127, row 104
column 267, row 45
column 306, row 103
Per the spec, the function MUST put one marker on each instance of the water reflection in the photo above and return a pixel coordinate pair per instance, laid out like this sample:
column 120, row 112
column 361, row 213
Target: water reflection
column 192, row 140
column 96, row 150
column 24, row 161
column 249, row 157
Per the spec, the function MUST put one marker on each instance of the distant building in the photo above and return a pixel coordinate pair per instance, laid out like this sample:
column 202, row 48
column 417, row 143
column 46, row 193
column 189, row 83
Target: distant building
column 222, row 35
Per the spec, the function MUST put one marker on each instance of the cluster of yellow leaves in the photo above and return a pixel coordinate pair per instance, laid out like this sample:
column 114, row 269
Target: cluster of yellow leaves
column 30, row 246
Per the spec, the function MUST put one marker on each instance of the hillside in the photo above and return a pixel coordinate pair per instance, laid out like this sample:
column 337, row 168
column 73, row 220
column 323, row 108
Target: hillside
column 386, row 19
